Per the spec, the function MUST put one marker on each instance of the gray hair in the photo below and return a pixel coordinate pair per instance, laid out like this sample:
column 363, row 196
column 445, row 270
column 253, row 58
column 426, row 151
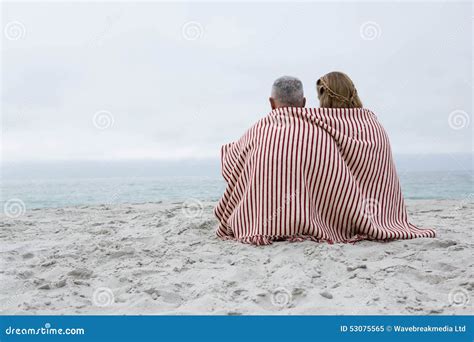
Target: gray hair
column 288, row 90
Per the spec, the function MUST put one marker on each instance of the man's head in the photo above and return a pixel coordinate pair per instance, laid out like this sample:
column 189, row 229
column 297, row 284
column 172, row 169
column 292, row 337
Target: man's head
column 287, row 91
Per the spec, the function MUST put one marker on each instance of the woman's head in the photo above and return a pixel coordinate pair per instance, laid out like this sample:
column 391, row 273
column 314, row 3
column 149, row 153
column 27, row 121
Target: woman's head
column 336, row 90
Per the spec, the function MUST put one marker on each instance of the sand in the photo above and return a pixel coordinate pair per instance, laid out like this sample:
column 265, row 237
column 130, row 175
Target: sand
column 163, row 258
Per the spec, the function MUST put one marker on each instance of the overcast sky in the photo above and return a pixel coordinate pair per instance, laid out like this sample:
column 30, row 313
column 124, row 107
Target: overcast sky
column 160, row 80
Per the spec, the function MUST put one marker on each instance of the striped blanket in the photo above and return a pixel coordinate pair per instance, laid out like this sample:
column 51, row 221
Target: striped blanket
column 313, row 173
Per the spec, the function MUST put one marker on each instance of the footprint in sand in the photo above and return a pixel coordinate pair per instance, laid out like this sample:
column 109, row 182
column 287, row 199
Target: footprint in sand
column 170, row 213
column 457, row 248
column 441, row 244
column 25, row 274
column 326, row 294
column 28, row 255
column 353, row 268
column 47, row 263
column 125, row 251
column 165, row 296
column 206, row 225
column 81, row 273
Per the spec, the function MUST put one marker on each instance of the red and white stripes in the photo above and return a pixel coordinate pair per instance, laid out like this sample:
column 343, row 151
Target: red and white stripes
column 313, row 173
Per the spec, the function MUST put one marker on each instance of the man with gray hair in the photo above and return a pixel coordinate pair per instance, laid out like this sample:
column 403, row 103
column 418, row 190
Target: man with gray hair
column 287, row 91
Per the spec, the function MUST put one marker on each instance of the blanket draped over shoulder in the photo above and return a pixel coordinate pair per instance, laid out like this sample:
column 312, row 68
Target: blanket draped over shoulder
column 313, row 173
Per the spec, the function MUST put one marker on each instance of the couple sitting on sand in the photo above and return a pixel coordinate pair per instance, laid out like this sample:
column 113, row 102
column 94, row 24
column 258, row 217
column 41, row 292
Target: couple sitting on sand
column 324, row 174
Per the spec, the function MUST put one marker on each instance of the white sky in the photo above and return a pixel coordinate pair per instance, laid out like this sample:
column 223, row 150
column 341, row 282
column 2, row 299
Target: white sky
column 173, row 98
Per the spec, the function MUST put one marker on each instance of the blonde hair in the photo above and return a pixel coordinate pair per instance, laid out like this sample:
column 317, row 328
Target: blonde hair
column 336, row 90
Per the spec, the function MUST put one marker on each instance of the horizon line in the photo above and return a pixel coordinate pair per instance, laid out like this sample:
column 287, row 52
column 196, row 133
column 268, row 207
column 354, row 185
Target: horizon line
column 201, row 159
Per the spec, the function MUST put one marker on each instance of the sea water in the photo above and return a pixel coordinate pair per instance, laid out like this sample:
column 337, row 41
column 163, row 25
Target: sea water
column 78, row 191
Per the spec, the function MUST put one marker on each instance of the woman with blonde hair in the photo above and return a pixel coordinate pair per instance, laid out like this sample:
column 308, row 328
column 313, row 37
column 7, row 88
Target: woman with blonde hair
column 336, row 90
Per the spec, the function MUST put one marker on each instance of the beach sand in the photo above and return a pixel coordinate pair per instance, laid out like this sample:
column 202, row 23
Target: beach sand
column 163, row 258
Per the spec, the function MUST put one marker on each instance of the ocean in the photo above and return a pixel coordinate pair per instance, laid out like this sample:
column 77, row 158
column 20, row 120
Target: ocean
column 79, row 191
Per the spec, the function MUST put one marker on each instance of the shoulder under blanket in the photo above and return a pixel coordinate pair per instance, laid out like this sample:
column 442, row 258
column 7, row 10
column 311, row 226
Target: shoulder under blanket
column 313, row 173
